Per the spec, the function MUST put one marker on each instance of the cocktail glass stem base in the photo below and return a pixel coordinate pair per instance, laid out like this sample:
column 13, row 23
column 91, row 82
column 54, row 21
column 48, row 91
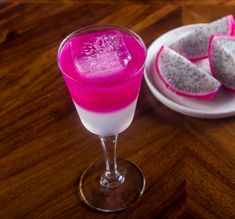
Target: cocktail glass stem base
column 115, row 198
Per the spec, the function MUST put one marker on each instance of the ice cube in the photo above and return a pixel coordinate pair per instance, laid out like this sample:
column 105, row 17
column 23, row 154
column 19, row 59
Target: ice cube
column 100, row 54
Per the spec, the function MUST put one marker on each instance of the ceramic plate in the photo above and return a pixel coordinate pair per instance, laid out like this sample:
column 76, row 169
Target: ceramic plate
column 222, row 106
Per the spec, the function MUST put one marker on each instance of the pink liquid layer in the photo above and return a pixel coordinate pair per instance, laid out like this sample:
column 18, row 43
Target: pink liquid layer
column 102, row 89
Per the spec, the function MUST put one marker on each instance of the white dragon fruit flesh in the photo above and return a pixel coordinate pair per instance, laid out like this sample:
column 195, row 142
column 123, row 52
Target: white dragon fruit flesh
column 183, row 77
column 222, row 59
column 194, row 46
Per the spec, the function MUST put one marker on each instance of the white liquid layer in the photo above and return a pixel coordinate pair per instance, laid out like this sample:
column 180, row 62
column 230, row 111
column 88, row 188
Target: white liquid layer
column 108, row 123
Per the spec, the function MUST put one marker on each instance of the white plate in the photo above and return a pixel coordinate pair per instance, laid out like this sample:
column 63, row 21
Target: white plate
column 222, row 106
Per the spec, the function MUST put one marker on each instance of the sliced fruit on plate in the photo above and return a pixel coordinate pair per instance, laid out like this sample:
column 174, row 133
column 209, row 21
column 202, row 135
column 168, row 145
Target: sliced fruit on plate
column 194, row 46
column 222, row 59
column 183, row 77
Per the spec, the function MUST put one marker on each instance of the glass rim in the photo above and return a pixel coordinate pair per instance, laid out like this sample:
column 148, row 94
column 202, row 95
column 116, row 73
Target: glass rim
column 108, row 26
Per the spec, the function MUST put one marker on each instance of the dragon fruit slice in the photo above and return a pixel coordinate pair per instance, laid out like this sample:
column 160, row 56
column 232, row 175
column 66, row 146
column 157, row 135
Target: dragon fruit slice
column 183, row 77
column 194, row 46
column 222, row 59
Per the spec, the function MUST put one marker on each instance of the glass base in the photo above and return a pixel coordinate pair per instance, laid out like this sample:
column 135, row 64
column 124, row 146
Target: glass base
column 111, row 199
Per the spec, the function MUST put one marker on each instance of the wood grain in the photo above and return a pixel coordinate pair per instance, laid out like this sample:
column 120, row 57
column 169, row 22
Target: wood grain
column 189, row 164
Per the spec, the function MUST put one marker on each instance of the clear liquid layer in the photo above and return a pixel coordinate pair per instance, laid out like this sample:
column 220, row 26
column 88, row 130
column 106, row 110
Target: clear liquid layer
column 107, row 124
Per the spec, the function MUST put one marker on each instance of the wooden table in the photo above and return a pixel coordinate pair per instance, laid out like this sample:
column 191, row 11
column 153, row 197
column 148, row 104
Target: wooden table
column 189, row 163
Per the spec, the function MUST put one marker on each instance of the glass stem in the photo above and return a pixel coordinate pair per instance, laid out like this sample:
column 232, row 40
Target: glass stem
column 111, row 177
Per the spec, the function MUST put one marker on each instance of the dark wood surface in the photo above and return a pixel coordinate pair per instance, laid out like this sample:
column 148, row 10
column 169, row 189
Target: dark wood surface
column 189, row 163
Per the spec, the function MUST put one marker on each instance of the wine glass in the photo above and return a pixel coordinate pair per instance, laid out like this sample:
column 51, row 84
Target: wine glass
column 102, row 66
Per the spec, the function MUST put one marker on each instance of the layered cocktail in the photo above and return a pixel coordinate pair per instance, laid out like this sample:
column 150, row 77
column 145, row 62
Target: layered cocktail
column 102, row 66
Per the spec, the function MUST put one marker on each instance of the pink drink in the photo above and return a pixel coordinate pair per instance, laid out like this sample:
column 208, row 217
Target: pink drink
column 103, row 71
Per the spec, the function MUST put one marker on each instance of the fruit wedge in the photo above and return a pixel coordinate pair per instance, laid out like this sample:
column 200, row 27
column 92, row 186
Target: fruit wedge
column 222, row 59
column 184, row 77
column 194, row 46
